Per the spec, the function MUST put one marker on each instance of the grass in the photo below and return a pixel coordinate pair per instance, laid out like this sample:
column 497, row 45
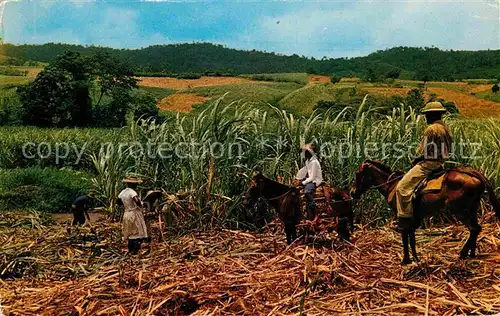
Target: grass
column 257, row 95
column 302, row 101
column 299, row 78
column 41, row 189
column 158, row 93
column 489, row 95
column 10, row 81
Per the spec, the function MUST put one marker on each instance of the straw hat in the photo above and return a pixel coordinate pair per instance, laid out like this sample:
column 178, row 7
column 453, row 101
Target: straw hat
column 308, row 147
column 132, row 180
column 433, row 107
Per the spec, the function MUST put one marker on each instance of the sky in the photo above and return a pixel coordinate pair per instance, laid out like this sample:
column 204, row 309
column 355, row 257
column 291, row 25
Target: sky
column 330, row 28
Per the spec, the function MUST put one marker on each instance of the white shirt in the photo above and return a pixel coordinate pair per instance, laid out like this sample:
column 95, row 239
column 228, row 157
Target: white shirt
column 311, row 172
column 127, row 196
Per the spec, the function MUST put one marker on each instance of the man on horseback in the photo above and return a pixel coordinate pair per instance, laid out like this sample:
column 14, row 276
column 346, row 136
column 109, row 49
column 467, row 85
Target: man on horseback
column 434, row 151
column 311, row 177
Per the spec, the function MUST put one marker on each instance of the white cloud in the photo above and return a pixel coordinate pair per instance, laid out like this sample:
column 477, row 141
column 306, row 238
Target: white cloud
column 119, row 28
column 364, row 27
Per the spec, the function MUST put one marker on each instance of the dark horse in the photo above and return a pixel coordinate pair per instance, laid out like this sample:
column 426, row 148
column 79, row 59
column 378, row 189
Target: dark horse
column 286, row 201
column 461, row 193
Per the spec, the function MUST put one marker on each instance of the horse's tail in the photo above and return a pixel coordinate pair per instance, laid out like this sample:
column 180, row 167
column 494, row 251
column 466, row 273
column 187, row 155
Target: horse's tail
column 491, row 191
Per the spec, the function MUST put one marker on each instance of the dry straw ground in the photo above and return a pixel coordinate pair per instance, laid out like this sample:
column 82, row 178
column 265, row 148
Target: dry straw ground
column 235, row 272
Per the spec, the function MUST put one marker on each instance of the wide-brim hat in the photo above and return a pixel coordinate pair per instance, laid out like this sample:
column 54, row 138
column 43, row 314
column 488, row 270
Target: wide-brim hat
column 434, row 106
column 308, row 148
column 132, row 180
column 152, row 195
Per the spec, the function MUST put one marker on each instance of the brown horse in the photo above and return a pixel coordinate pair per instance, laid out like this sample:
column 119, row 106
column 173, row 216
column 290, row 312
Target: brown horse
column 286, row 201
column 461, row 193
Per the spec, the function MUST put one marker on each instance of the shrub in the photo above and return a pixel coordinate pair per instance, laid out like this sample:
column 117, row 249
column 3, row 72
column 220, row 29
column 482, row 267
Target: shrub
column 47, row 190
column 334, row 79
column 495, row 88
column 11, row 111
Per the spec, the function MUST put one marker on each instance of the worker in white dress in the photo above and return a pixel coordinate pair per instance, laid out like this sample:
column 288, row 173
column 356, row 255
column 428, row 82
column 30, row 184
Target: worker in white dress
column 134, row 226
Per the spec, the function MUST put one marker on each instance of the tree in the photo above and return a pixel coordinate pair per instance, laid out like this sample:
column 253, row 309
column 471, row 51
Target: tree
column 495, row 88
column 59, row 95
column 371, row 75
column 334, row 78
column 415, row 99
column 48, row 100
column 393, row 74
column 111, row 73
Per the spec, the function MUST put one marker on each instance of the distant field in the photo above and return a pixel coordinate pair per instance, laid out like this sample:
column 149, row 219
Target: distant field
column 181, row 102
column 158, row 93
column 6, row 81
column 300, row 78
column 303, row 100
column 174, row 83
column 489, row 95
column 318, row 79
column 259, row 95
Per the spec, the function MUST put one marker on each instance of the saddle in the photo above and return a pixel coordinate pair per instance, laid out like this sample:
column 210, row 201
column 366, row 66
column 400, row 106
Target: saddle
column 320, row 197
column 433, row 183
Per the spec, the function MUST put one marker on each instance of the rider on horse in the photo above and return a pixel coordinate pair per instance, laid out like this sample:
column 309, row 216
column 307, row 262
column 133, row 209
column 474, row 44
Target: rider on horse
column 434, row 150
column 311, row 177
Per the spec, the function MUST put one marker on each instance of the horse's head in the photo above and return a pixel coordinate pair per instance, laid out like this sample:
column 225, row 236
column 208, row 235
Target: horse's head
column 252, row 194
column 364, row 180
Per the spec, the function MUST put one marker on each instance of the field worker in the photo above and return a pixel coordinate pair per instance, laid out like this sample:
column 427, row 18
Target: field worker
column 311, row 177
column 80, row 209
column 434, row 151
column 134, row 226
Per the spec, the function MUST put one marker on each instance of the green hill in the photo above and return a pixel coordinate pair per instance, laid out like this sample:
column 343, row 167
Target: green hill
column 403, row 62
column 303, row 100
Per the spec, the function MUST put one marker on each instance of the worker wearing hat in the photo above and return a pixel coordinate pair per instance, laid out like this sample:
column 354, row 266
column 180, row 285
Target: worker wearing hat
column 434, row 151
column 310, row 176
column 134, row 226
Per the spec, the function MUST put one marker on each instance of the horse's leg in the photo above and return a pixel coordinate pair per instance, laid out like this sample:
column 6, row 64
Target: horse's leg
column 350, row 218
column 469, row 218
column 474, row 230
column 406, row 250
column 343, row 229
column 293, row 232
column 288, row 233
column 413, row 246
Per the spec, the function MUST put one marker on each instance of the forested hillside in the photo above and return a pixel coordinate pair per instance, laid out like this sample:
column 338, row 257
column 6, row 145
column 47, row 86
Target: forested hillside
column 398, row 62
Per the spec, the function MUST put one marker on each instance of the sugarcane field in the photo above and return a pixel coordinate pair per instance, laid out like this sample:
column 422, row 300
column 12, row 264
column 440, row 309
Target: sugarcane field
column 249, row 158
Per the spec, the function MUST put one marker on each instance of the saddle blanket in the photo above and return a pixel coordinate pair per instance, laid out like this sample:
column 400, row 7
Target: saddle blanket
column 431, row 185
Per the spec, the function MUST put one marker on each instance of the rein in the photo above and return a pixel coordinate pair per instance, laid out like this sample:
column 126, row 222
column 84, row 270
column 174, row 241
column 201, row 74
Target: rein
column 387, row 182
column 278, row 197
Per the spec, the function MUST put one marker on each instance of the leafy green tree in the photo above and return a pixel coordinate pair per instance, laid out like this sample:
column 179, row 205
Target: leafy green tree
column 371, row 75
column 415, row 99
column 393, row 74
column 59, row 95
column 495, row 88
column 334, row 79
column 48, row 100
column 111, row 74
